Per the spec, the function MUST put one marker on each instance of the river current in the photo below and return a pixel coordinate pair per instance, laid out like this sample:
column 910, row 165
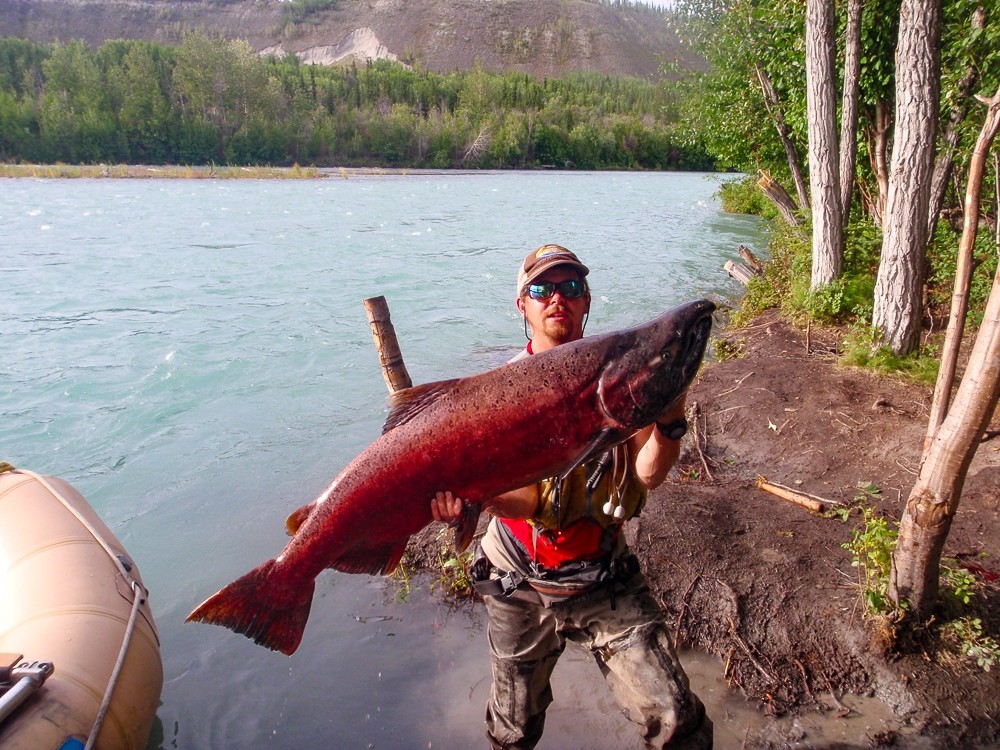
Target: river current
column 194, row 356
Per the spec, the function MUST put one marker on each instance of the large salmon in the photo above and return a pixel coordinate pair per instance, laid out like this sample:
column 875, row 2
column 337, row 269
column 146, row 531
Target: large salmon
column 477, row 437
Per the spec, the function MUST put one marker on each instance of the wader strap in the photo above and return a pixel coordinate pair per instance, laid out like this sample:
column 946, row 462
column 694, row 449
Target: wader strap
column 505, row 585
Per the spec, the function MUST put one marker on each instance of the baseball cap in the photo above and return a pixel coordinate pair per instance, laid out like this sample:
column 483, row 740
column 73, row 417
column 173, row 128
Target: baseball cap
column 544, row 258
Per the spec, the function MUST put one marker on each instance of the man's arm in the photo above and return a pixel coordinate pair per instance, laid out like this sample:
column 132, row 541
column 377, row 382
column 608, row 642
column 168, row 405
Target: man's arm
column 655, row 453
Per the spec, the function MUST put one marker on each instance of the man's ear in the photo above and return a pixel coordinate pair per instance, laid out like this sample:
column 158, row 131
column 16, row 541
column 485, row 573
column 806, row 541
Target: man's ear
column 520, row 305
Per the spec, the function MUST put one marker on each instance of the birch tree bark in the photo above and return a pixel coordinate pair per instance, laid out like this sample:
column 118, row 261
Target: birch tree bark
column 949, row 139
column 849, row 107
column 898, row 307
column 824, row 161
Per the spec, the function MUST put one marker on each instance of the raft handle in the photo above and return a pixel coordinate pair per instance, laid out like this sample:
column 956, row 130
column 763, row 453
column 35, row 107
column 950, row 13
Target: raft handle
column 19, row 682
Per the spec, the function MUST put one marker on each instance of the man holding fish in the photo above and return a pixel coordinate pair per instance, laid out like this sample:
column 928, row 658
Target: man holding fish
column 553, row 565
column 603, row 414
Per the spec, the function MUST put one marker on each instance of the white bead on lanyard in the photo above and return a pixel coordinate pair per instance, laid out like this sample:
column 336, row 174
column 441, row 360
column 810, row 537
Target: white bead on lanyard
column 613, row 507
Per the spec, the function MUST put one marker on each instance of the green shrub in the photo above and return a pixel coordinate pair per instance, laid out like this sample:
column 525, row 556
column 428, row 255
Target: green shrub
column 744, row 197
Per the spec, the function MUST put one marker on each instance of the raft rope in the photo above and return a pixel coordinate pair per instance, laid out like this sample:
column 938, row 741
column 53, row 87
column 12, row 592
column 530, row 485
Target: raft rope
column 139, row 594
column 137, row 601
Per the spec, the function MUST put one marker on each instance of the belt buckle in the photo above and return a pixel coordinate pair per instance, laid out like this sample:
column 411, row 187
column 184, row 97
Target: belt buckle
column 507, row 584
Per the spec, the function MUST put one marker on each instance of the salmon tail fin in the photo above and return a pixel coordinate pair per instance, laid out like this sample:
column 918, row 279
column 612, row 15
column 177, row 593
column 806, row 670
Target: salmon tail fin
column 466, row 525
column 298, row 517
column 247, row 606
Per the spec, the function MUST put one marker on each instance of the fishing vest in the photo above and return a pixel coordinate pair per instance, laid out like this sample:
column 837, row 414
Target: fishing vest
column 571, row 524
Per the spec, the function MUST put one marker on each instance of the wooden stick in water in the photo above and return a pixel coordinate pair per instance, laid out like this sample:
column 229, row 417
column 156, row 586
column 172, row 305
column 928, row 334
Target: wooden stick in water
column 393, row 368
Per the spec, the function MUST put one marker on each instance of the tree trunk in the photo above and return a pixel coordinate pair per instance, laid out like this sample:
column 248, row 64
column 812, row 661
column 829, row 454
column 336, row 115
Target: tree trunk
column 943, row 164
column 785, row 133
column 824, row 162
column 963, row 271
column 898, row 304
column 934, row 499
column 878, row 149
column 849, row 107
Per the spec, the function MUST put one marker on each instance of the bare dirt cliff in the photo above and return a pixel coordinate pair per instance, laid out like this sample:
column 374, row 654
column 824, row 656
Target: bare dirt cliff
column 541, row 37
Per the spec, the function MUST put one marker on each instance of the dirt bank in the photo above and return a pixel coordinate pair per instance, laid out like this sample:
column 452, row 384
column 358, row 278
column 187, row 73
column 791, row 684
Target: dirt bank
column 765, row 584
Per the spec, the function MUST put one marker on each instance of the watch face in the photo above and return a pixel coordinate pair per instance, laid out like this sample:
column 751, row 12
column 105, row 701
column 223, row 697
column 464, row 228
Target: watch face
column 675, row 430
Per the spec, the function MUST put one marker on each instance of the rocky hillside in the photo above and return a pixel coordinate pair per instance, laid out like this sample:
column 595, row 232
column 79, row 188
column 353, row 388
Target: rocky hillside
column 542, row 37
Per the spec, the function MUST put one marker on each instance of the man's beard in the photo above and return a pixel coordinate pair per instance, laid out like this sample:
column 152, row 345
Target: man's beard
column 560, row 331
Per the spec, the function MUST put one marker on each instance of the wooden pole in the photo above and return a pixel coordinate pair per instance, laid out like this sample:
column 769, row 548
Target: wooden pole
column 393, row 368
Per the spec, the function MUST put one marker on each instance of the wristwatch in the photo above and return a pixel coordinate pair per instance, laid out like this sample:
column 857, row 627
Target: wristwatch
column 673, row 430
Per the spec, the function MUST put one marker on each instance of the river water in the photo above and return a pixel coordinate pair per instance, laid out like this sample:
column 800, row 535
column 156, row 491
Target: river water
column 195, row 358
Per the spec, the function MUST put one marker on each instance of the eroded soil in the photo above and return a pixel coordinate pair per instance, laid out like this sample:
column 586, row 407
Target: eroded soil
column 765, row 584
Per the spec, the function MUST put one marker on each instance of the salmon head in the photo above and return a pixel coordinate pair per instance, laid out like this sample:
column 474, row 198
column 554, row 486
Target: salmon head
column 650, row 366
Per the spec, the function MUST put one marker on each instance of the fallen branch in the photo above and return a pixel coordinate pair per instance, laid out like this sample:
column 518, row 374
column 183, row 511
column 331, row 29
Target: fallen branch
column 812, row 502
column 684, row 610
column 746, row 650
column 698, row 437
column 735, row 387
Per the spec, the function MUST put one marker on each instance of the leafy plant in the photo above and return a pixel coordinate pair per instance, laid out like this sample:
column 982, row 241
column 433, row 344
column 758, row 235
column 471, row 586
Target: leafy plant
column 744, row 197
column 871, row 546
column 402, row 576
column 455, row 578
column 958, row 583
column 967, row 633
column 727, row 349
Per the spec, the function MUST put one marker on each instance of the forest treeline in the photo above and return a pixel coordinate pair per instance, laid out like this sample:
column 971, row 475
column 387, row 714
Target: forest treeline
column 215, row 101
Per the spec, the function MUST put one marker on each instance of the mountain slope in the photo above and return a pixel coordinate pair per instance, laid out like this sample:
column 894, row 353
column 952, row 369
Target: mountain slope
column 541, row 37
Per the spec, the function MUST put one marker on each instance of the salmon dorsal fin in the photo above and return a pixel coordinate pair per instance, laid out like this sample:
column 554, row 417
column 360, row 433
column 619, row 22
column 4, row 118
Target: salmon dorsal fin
column 407, row 403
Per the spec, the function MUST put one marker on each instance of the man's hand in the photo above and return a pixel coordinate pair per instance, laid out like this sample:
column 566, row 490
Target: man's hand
column 445, row 507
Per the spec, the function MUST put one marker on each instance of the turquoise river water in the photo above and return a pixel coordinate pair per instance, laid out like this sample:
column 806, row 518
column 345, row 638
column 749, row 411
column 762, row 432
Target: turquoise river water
column 195, row 358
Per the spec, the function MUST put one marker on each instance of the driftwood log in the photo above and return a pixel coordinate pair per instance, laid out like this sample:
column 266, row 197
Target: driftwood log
column 739, row 272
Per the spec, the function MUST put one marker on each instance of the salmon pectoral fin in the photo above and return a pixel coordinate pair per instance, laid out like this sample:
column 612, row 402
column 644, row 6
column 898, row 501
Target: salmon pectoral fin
column 298, row 517
column 465, row 526
column 247, row 606
column 373, row 560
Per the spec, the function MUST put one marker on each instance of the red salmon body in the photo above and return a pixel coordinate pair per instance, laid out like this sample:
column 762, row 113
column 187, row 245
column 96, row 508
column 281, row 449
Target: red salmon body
column 478, row 437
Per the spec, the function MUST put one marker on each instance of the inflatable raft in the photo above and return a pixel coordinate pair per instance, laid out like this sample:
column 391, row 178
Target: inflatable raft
column 79, row 652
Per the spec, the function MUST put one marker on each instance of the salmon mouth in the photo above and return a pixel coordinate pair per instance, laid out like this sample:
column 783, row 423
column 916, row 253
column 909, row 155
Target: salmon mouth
column 695, row 339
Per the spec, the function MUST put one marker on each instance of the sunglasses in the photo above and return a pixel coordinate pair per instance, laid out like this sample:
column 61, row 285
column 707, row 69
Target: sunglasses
column 569, row 289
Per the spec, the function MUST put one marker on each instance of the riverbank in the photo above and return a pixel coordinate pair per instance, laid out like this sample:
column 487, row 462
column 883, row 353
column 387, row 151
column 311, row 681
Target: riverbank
column 766, row 586
column 184, row 172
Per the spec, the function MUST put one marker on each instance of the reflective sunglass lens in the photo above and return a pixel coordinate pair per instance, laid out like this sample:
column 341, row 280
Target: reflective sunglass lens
column 541, row 291
column 570, row 289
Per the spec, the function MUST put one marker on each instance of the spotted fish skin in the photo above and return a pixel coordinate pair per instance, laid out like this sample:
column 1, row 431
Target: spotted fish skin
column 477, row 437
